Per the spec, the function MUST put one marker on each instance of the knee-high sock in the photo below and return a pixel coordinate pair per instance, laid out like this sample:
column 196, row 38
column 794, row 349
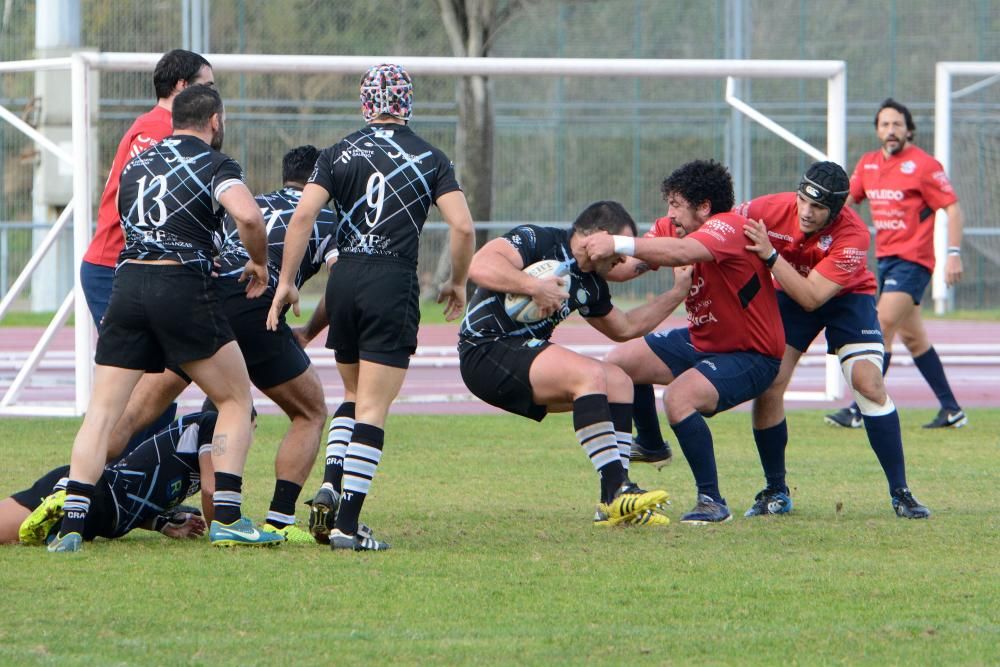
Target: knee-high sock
column 930, row 366
column 771, row 443
column 886, row 439
column 360, row 463
column 596, row 434
column 695, row 440
column 647, row 421
column 341, row 428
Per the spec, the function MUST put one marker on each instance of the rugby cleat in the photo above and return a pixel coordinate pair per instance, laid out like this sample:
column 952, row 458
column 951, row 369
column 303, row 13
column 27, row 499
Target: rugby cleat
column 706, row 511
column 846, row 417
column 292, row 534
column 242, row 533
column 644, row 518
column 360, row 541
column 71, row 542
column 322, row 513
column 42, row 520
column 657, row 457
column 630, row 501
column 908, row 507
column 771, row 501
column 948, row 419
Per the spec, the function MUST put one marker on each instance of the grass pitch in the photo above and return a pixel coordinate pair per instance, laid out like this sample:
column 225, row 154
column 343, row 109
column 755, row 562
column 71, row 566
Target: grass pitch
column 495, row 560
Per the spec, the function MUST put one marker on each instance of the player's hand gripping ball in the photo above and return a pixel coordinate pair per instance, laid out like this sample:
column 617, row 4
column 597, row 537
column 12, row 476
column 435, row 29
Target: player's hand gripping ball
column 521, row 307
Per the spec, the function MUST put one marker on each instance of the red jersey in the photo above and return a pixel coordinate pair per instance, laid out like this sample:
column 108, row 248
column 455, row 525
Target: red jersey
column 732, row 305
column 903, row 191
column 148, row 130
column 839, row 252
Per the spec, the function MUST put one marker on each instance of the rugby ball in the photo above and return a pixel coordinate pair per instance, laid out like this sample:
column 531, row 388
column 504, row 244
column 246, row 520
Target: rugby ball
column 520, row 307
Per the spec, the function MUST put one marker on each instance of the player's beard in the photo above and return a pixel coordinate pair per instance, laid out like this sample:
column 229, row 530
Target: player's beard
column 899, row 145
column 217, row 137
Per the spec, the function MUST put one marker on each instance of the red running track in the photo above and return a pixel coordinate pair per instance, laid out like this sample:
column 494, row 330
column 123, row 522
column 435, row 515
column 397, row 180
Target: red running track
column 433, row 384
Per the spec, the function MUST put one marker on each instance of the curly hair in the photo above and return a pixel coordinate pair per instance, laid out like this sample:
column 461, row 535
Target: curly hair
column 700, row 181
column 298, row 163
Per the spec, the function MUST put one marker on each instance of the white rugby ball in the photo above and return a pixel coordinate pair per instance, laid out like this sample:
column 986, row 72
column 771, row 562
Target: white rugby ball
column 520, row 307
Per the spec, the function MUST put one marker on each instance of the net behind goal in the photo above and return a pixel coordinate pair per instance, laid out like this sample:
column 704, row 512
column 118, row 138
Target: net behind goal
column 567, row 131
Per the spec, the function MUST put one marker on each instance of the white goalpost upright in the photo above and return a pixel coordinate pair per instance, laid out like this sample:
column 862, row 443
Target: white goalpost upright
column 943, row 97
column 82, row 66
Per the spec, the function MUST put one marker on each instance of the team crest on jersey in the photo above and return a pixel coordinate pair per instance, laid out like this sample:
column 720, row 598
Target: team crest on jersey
column 825, row 242
column 582, row 296
column 908, row 167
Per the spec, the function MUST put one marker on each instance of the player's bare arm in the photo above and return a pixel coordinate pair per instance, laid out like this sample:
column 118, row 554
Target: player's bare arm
column 314, row 198
column 658, row 251
column 629, row 268
column 810, row 291
column 462, row 245
column 620, row 325
column 240, row 204
column 497, row 267
column 953, row 264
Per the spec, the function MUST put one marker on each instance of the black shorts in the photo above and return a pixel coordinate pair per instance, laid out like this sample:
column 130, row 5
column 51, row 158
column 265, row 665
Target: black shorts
column 373, row 305
column 100, row 517
column 159, row 315
column 272, row 357
column 497, row 372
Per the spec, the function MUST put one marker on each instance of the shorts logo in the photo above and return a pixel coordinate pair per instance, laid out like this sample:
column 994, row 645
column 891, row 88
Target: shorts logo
column 891, row 281
column 908, row 167
column 871, row 332
column 709, row 364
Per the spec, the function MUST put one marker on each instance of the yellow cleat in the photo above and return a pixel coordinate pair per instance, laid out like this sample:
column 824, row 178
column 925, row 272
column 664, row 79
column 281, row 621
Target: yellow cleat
column 292, row 534
column 40, row 522
column 630, row 502
column 644, row 518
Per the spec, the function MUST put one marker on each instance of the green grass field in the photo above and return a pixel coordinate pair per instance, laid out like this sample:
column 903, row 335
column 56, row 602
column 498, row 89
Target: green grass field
column 495, row 560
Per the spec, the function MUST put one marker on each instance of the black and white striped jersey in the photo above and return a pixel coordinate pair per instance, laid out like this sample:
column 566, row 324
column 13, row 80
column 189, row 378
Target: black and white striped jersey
column 382, row 181
column 168, row 200
column 277, row 208
column 161, row 472
column 487, row 320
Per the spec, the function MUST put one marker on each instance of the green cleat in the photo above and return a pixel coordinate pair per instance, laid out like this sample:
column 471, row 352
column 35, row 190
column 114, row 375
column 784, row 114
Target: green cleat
column 242, row 533
column 292, row 534
column 40, row 522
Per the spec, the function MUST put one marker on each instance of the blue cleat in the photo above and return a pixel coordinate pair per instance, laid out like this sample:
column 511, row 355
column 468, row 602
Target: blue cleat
column 71, row 542
column 771, row 501
column 242, row 533
column 707, row 510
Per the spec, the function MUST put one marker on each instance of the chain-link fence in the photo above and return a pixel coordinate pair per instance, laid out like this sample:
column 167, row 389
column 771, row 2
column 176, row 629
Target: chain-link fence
column 563, row 142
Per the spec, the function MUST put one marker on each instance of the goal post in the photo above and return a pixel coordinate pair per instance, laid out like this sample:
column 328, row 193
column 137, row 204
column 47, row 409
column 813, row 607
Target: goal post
column 944, row 96
column 84, row 64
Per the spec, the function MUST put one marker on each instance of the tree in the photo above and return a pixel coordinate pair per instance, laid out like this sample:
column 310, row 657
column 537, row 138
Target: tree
column 472, row 26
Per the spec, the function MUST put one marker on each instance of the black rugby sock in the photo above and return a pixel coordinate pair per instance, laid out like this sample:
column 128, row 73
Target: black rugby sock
column 282, row 510
column 76, row 506
column 227, row 499
column 647, row 421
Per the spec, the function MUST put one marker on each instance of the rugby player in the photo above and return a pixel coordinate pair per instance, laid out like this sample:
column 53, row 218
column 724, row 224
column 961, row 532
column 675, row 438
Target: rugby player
column 514, row 366
column 163, row 310
column 817, row 250
column 731, row 350
column 904, row 186
column 382, row 181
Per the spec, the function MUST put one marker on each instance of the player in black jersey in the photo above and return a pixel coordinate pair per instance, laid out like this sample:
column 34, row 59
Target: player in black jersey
column 515, row 367
column 276, row 362
column 164, row 310
column 381, row 182
column 143, row 490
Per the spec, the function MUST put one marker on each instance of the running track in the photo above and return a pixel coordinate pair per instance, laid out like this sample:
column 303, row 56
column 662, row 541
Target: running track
column 969, row 349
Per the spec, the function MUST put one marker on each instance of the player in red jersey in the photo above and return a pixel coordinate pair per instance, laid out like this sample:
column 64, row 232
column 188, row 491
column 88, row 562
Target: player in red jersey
column 174, row 72
column 817, row 251
column 904, row 186
column 731, row 350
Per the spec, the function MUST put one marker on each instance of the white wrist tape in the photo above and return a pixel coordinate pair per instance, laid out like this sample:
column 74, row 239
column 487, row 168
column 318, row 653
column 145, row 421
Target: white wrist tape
column 624, row 245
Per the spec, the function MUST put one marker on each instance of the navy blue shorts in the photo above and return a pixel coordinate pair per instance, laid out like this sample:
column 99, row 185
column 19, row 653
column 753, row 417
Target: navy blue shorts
column 737, row 376
column 899, row 275
column 852, row 318
column 97, row 282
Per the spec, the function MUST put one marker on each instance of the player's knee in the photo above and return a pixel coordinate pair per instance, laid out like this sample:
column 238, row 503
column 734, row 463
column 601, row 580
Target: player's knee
column 862, row 367
column 589, row 377
column 620, row 388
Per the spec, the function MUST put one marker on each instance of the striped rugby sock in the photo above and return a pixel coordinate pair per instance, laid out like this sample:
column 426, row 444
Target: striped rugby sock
column 76, row 506
column 341, row 428
column 360, row 463
column 227, row 499
column 596, row 434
